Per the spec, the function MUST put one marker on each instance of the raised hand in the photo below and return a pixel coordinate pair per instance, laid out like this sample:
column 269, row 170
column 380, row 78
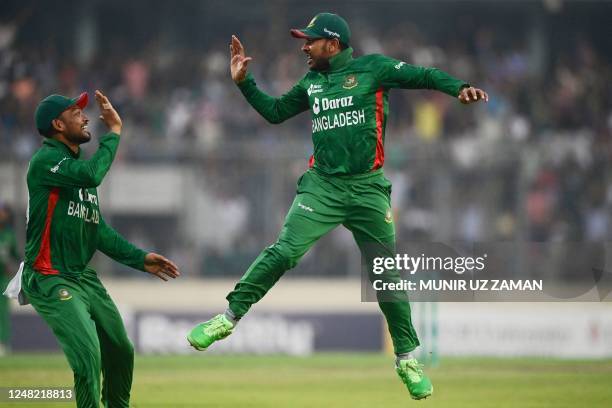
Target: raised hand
column 238, row 62
column 470, row 95
column 160, row 266
column 108, row 114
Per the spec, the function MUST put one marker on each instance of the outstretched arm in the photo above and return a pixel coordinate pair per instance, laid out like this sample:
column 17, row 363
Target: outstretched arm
column 111, row 243
column 398, row 74
column 274, row 110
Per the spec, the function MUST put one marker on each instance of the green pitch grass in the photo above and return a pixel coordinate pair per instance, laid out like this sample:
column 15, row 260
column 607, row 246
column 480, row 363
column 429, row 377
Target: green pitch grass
column 333, row 380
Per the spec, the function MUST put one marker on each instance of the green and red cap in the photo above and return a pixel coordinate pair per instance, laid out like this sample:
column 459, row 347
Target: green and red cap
column 52, row 107
column 325, row 25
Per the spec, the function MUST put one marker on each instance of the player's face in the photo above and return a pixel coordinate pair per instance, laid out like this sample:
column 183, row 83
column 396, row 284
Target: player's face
column 318, row 52
column 75, row 125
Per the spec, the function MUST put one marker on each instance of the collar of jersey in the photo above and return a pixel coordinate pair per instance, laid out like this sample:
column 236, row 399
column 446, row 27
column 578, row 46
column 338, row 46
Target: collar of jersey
column 60, row 145
column 340, row 60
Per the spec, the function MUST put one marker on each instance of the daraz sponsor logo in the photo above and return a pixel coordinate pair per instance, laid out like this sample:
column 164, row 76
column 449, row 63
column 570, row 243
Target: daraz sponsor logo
column 327, row 104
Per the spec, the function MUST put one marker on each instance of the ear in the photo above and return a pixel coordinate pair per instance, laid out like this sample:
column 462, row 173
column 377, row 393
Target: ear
column 330, row 46
column 58, row 125
column 334, row 45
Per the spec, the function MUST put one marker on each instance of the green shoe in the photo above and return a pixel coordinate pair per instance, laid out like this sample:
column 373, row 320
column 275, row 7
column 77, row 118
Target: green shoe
column 205, row 334
column 411, row 374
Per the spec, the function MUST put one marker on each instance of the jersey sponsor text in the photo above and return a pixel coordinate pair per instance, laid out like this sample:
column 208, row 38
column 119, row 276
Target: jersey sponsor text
column 85, row 213
column 337, row 120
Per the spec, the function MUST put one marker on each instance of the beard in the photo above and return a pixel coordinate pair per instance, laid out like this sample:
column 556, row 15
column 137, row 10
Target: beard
column 319, row 64
column 83, row 136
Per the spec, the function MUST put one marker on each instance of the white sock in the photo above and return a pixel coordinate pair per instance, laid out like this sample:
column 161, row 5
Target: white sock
column 403, row 356
column 229, row 315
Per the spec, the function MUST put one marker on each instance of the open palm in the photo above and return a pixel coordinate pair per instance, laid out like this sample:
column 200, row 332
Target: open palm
column 160, row 266
column 238, row 61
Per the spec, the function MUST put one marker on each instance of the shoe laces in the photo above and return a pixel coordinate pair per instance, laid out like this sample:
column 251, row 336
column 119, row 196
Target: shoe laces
column 413, row 370
column 216, row 328
column 418, row 368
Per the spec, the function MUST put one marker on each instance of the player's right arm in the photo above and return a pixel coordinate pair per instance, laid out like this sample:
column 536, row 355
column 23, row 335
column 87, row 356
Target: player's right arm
column 60, row 169
column 274, row 110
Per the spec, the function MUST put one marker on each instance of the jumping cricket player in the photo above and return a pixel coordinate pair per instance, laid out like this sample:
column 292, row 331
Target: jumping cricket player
column 64, row 229
column 345, row 184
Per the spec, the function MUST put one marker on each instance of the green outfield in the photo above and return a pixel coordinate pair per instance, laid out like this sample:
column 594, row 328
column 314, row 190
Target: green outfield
column 333, row 380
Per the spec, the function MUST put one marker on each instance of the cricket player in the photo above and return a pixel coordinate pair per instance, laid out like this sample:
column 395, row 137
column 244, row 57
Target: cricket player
column 64, row 229
column 345, row 184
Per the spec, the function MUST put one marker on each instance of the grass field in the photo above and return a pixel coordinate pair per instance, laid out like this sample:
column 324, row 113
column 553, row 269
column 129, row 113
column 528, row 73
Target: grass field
column 333, row 380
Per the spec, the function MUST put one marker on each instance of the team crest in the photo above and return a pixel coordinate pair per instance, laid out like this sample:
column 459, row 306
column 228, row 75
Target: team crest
column 389, row 216
column 350, row 82
column 312, row 23
column 64, row 294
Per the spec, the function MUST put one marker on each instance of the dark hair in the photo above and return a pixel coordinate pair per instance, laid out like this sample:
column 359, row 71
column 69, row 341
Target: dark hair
column 343, row 46
column 49, row 133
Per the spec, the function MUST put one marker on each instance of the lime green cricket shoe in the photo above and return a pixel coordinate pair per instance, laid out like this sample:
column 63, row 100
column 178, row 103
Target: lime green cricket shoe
column 205, row 334
column 411, row 374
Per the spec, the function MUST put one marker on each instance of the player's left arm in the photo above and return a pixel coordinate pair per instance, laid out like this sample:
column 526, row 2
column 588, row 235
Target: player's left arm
column 111, row 243
column 393, row 73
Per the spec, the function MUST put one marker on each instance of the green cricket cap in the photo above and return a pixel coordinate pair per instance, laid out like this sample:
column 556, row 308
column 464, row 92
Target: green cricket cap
column 52, row 106
column 325, row 25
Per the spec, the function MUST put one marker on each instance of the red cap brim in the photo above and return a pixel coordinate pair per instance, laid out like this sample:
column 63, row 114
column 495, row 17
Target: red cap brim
column 298, row 34
column 82, row 100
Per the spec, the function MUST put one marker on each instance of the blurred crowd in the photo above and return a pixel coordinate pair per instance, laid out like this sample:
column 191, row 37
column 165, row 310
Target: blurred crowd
column 533, row 164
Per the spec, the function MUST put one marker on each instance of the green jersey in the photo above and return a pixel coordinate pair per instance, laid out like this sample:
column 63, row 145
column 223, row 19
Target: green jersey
column 64, row 223
column 349, row 106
